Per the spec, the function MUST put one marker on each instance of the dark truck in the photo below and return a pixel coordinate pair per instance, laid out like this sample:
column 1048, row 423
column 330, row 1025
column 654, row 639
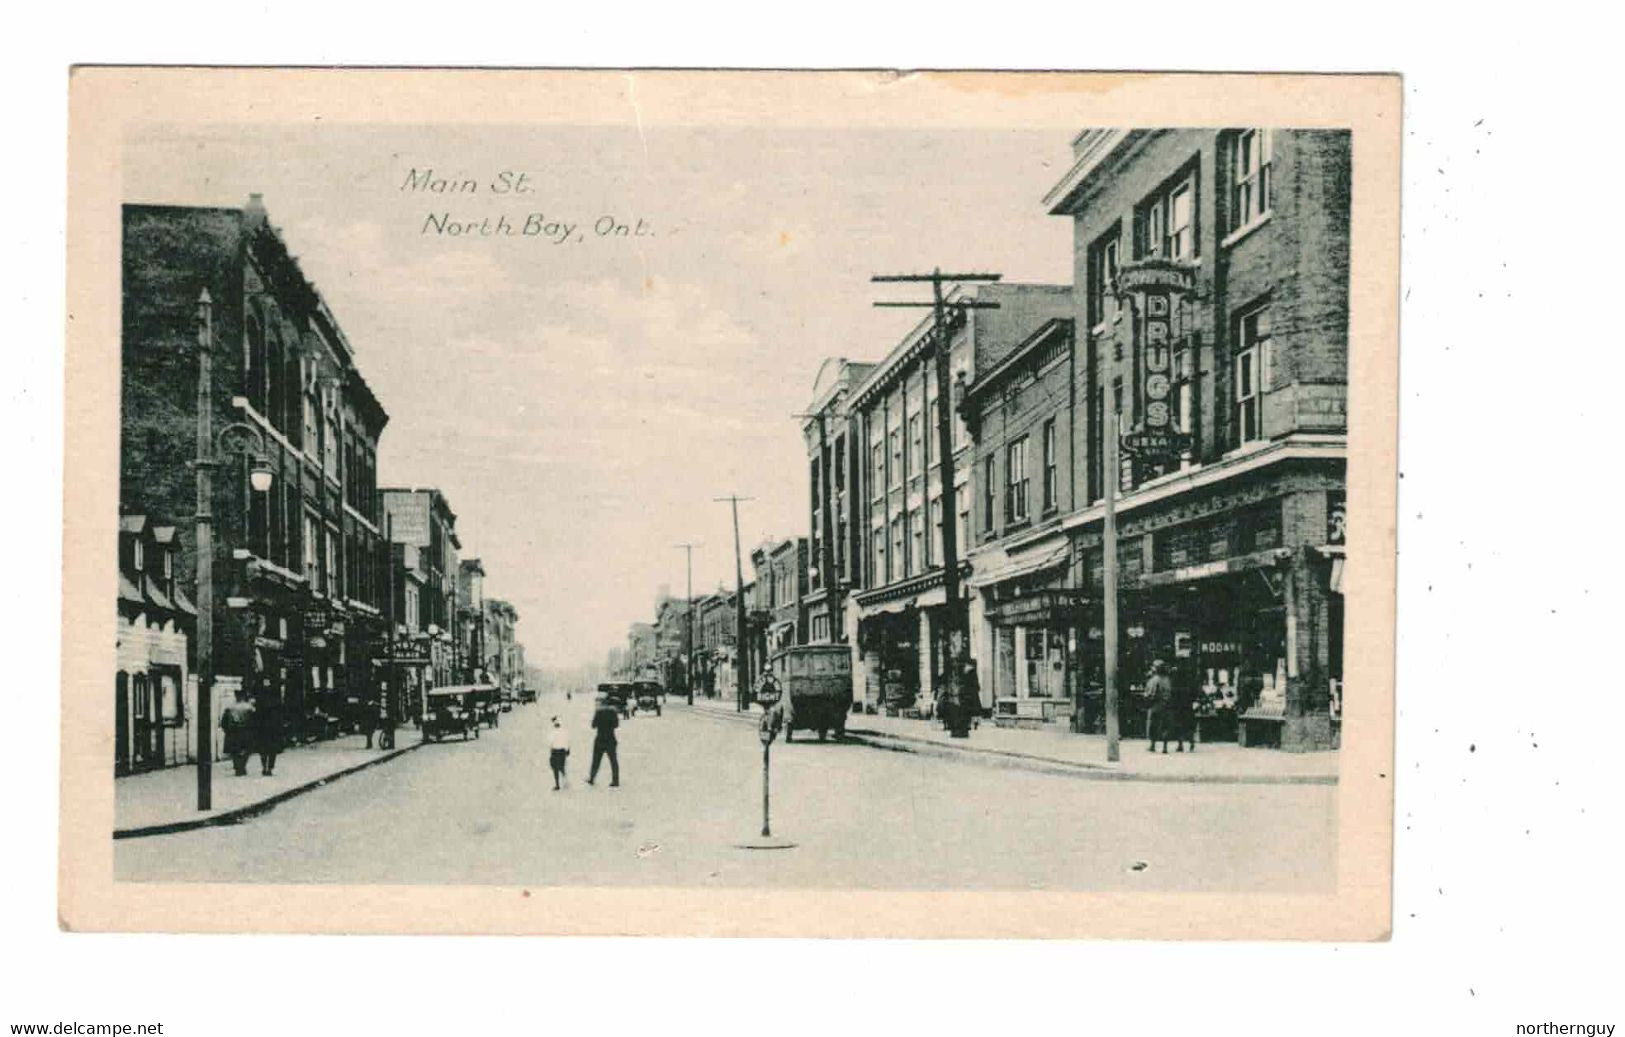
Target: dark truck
column 816, row 686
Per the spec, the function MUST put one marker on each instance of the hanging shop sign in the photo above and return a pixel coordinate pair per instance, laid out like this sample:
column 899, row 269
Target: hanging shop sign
column 1159, row 285
column 1156, row 275
column 1152, row 442
column 1336, row 517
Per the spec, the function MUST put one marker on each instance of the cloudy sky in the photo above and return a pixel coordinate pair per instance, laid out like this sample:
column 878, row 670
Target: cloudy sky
column 582, row 402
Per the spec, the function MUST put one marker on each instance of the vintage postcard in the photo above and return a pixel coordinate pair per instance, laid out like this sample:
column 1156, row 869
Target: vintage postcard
column 730, row 503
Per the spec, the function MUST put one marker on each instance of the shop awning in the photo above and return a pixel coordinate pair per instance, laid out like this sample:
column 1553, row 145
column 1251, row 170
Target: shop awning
column 1025, row 565
column 895, row 606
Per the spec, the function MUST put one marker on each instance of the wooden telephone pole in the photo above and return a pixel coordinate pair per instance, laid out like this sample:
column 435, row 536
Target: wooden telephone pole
column 741, row 660
column 940, row 306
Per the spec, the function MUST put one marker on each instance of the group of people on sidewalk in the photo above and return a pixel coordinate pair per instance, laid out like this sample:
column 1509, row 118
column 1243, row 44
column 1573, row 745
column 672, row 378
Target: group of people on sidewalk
column 250, row 728
column 1171, row 711
column 605, row 719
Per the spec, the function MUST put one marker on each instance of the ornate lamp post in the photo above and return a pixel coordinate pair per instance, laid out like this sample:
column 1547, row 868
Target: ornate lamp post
column 234, row 438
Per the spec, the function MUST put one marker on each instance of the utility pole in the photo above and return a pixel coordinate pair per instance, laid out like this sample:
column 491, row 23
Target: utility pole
column 204, row 535
column 945, row 461
column 688, row 627
column 741, row 661
column 1113, row 476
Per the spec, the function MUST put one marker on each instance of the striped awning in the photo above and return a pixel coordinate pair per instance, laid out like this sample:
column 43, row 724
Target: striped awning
column 1024, row 565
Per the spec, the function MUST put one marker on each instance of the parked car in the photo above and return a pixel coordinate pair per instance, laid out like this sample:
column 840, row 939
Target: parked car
column 452, row 710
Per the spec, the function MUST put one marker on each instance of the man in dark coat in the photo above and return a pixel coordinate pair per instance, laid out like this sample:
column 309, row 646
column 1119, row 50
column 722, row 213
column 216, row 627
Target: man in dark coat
column 269, row 713
column 1159, row 716
column 605, row 720
column 237, row 723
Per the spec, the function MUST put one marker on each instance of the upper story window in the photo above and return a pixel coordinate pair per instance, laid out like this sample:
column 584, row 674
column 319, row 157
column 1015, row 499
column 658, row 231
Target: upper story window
column 276, row 407
column 962, row 507
column 254, row 365
column 916, row 445
column 894, row 477
column 990, row 495
column 1250, row 183
column 1015, row 481
column 934, row 549
column 838, row 466
column 877, row 454
column 1250, row 372
column 312, row 442
column 894, row 570
column 916, row 528
column 1051, row 474
column 138, row 555
column 330, row 434
column 313, row 570
column 1167, row 221
column 334, row 583
column 934, row 415
column 1103, row 265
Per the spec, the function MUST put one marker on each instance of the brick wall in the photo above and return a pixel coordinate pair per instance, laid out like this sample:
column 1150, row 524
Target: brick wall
column 1297, row 259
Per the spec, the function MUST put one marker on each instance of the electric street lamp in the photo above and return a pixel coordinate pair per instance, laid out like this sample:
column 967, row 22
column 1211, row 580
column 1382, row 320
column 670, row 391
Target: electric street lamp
column 232, row 439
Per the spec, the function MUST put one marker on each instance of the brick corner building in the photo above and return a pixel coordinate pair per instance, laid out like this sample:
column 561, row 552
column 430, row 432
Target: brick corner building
column 1230, row 551
column 299, row 569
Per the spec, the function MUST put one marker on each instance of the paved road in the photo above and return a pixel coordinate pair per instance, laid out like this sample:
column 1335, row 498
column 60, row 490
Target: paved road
column 484, row 812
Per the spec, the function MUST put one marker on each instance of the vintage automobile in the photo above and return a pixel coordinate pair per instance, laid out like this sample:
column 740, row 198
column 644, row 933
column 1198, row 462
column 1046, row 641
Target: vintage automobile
column 619, row 694
column 816, row 685
column 649, row 694
column 527, row 694
column 452, row 710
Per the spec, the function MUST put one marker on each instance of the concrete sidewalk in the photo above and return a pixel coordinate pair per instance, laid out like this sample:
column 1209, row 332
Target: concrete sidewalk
column 1061, row 751
column 164, row 801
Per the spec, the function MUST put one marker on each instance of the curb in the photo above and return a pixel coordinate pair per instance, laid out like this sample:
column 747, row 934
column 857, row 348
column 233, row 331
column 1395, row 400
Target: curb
column 1013, row 760
column 250, row 810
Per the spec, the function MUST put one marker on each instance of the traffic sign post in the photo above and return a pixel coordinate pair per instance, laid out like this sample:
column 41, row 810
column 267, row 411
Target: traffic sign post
column 772, row 722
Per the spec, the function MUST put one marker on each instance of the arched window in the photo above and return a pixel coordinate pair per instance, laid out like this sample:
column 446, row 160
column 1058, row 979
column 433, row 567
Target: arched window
column 292, row 396
column 275, row 409
column 254, row 365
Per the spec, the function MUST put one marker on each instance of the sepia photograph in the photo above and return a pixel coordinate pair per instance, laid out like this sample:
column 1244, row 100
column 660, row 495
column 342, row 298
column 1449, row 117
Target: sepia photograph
column 832, row 488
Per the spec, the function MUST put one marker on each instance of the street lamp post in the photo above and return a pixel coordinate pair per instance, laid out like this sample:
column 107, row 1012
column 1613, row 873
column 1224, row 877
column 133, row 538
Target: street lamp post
column 259, row 478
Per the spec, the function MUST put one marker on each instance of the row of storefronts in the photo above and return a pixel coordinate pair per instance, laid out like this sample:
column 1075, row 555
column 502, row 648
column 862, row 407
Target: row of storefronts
column 1202, row 320
column 334, row 604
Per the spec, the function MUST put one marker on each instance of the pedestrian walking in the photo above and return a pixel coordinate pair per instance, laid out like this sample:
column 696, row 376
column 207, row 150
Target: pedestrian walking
column 558, row 745
column 367, row 721
column 269, row 714
column 1159, row 715
column 1184, row 712
column 604, row 722
column 237, row 723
